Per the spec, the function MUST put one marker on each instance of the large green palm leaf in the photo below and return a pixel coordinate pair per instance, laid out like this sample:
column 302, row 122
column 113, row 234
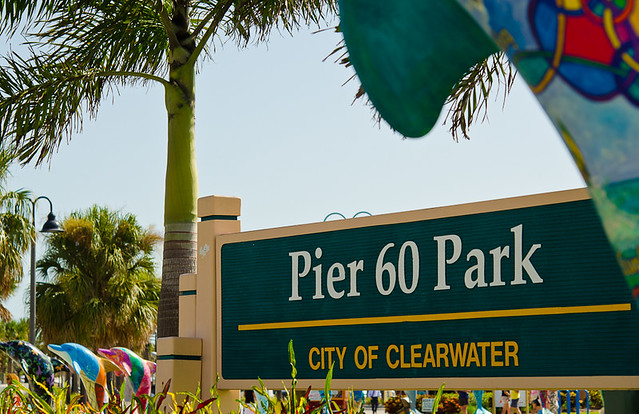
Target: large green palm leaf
column 112, row 36
column 81, row 51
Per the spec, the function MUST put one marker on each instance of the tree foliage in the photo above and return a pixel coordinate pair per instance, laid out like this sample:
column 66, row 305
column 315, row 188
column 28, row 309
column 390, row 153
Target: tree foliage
column 16, row 234
column 79, row 52
column 101, row 289
column 13, row 330
column 470, row 96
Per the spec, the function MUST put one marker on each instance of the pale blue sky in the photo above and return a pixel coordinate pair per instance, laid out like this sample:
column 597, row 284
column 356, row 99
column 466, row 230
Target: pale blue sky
column 276, row 128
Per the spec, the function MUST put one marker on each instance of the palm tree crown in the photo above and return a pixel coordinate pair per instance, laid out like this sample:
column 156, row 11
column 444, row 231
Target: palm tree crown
column 102, row 289
column 81, row 51
column 16, row 234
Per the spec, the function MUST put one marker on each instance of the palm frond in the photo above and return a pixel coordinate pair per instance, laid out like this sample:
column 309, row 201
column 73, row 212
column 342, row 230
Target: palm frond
column 5, row 314
column 469, row 98
column 16, row 235
column 124, row 36
column 80, row 52
column 17, row 14
column 41, row 103
column 16, row 202
column 16, row 232
column 6, row 159
column 77, row 54
column 54, row 312
column 253, row 20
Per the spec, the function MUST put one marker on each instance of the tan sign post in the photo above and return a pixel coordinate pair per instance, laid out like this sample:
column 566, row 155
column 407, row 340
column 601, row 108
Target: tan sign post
column 189, row 360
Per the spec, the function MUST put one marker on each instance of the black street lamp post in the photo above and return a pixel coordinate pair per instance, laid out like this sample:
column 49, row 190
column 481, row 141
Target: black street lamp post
column 50, row 226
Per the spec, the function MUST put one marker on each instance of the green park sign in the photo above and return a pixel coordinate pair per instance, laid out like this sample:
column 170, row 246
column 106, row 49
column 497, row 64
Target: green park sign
column 522, row 292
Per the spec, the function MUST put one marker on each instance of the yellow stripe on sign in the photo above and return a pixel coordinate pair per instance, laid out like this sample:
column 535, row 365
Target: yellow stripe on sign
column 507, row 313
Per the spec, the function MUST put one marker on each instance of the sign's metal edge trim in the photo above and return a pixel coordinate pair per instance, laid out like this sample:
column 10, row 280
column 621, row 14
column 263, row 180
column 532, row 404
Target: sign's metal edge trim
column 434, row 213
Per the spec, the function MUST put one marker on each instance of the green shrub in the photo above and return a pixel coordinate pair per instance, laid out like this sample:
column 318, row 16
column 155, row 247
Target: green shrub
column 393, row 405
column 17, row 399
column 487, row 400
column 596, row 400
column 449, row 404
column 295, row 403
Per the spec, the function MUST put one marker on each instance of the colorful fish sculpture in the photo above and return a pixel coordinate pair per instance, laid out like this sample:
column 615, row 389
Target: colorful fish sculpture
column 88, row 367
column 137, row 370
column 37, row 366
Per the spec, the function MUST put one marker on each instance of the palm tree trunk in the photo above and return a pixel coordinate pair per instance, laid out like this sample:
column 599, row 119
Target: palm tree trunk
column 179, row 257
column 180, row 199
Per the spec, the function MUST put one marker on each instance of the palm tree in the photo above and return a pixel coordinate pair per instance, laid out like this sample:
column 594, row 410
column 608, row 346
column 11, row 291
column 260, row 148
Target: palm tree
column 101, row 289
column 9, row 331
column 13, row 330
column 79, row 52
column 16, row 234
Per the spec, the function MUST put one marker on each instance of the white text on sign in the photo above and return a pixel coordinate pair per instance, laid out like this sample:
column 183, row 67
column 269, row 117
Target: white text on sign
column 341, row 280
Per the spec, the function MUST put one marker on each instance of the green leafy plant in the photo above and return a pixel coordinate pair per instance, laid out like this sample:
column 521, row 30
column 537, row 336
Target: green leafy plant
column 487, row 399
column 294, row 404
column 17, row 399
column 596, row 400
column 393, row 405
column 353, row 407
column 448, row 404
column 438, row 397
